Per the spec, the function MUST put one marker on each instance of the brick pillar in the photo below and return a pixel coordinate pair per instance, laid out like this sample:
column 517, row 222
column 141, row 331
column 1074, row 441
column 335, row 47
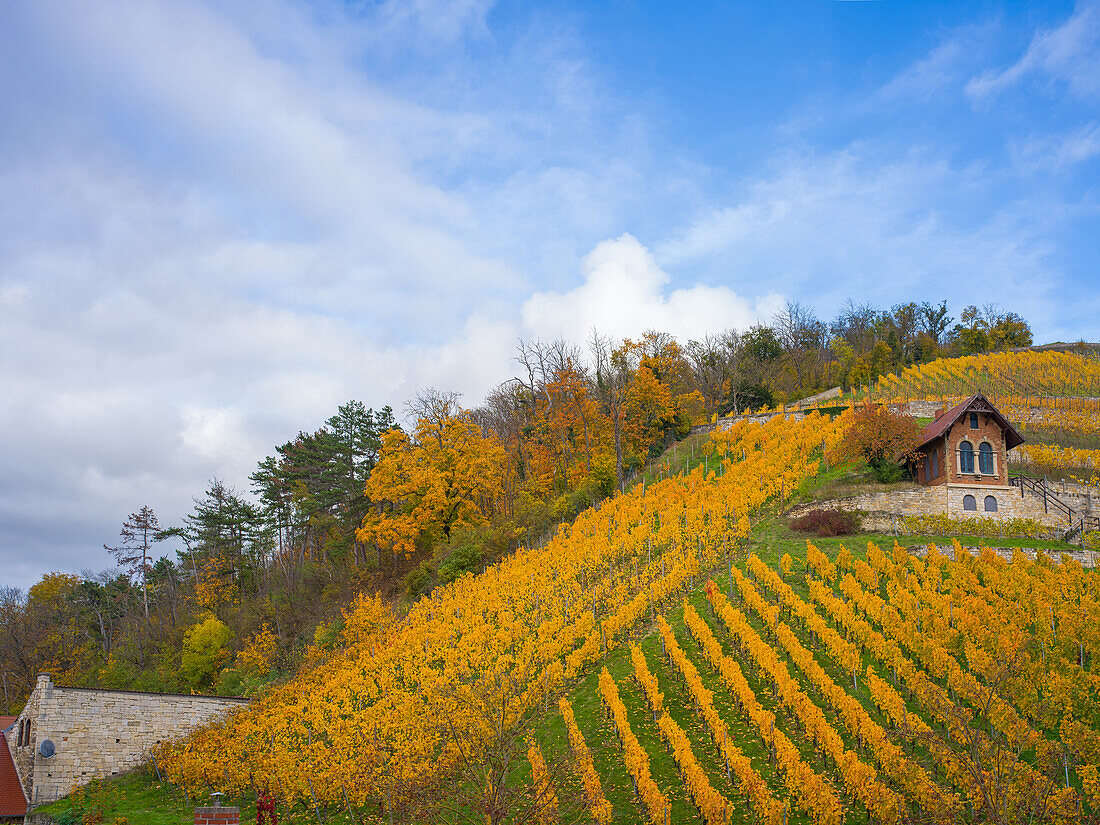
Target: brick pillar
column 217, row 816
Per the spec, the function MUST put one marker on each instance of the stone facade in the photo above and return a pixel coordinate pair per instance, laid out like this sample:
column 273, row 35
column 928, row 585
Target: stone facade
column 942, row 462
column 884, row 511
column 1085, row 558
column 97, row 733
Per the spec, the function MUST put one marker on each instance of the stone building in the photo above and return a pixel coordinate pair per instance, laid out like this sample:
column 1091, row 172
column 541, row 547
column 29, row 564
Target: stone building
column 966, row 451
column 67, row 736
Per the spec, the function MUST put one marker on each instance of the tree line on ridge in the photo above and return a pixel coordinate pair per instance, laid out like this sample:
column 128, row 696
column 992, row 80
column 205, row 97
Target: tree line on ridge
column 248, row 583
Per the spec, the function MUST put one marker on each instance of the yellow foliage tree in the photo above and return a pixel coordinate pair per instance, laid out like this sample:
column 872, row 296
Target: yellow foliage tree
column 258, row 656
column 449, row 474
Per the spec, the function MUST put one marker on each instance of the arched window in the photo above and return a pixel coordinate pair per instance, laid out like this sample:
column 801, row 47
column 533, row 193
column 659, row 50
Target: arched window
column 19, row 736
column 966, row 457
column 969, row 503
column 990, row 504
column 985, row 459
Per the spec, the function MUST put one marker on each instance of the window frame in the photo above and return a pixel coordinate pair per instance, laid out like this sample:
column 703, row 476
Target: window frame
column 966, row 451
column 985, row 451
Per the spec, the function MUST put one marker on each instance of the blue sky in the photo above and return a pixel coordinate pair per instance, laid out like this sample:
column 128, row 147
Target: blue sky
column 218, row 221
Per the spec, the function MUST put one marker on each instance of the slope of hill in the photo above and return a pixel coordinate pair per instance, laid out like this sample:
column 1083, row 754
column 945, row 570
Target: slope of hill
column 387, row 718
column 604, row 678
column 999, row 374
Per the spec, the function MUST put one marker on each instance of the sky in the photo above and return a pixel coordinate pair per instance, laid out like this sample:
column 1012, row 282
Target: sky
column 221, row 220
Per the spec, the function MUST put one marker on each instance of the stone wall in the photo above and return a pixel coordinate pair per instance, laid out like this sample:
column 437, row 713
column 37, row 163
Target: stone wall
column 98, row 733
column 1085, row 558
column 817, row 399
column 883, row 511
column 756, row 418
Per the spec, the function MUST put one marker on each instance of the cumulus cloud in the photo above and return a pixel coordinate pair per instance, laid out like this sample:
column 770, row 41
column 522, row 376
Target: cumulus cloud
column 624, row 293
column 215, row 229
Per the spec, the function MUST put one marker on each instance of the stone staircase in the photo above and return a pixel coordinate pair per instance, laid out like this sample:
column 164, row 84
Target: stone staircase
column 1075, row 507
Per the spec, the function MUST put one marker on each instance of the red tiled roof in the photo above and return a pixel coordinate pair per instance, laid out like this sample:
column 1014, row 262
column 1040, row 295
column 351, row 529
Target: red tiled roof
column 12, row 800
column 942, row 424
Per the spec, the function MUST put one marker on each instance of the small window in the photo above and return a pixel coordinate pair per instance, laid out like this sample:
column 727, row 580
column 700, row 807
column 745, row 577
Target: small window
column 966, row 457
column 973, row 421
column 985, row 459
column 990, row 504
column 969, row 503
column 936, row 463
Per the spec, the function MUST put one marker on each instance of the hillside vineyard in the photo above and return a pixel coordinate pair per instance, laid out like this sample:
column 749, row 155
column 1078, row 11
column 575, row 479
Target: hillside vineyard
column 878, row 687
column 388, row 715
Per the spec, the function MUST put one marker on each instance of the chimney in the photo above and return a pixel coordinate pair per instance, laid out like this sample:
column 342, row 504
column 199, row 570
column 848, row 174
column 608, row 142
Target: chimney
column 217, row 815
column 939, row 413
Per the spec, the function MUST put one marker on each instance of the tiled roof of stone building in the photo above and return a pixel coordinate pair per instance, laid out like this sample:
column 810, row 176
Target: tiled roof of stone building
column 942, row 424
column 12, row 800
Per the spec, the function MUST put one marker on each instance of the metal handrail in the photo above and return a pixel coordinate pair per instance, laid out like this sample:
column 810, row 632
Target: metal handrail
column 1041, row 488
column 1085, row 524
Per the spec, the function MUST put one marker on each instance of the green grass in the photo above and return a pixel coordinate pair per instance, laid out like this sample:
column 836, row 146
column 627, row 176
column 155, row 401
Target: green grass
column 139, row 798
column 680, row 457
column 136, row 796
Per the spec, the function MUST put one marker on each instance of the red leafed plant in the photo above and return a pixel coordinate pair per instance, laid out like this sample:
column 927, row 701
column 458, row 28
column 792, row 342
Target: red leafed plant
column 265, row 810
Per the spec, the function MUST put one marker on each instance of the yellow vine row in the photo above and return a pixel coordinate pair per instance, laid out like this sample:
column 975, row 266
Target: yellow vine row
column 546, row 801
column 634, row 756
column 814, row 793
column 711, row 804
column 766, row 807
column 860, row 779
column 910, row 776
column 598, row 805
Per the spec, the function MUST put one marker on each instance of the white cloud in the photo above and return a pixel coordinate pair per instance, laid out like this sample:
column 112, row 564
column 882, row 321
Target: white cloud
column 864, row 224
column 1060, row 151
column 221, row 220
column 1068, row 54
column 928, row 76
column 624, row 293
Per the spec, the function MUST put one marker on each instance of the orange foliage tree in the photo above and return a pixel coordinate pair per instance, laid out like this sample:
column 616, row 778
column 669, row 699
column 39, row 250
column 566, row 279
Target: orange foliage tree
column 882, row 437
column 448, row 474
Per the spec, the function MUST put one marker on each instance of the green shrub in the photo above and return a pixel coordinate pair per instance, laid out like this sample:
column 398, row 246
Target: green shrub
column 419, row 580
column 464, row 558
column 886, row 471
column 204, row 649
column 602, row 480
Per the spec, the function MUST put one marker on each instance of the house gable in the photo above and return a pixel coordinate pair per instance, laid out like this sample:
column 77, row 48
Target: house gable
column 966, row 445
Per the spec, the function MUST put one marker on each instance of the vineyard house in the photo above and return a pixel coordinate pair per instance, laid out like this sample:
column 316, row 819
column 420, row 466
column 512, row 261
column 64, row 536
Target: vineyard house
column 966, row 449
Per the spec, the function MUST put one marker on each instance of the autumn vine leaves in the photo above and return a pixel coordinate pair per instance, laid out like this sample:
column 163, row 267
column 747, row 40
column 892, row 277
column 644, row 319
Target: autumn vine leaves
column 875, row 689
column 399, row 705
